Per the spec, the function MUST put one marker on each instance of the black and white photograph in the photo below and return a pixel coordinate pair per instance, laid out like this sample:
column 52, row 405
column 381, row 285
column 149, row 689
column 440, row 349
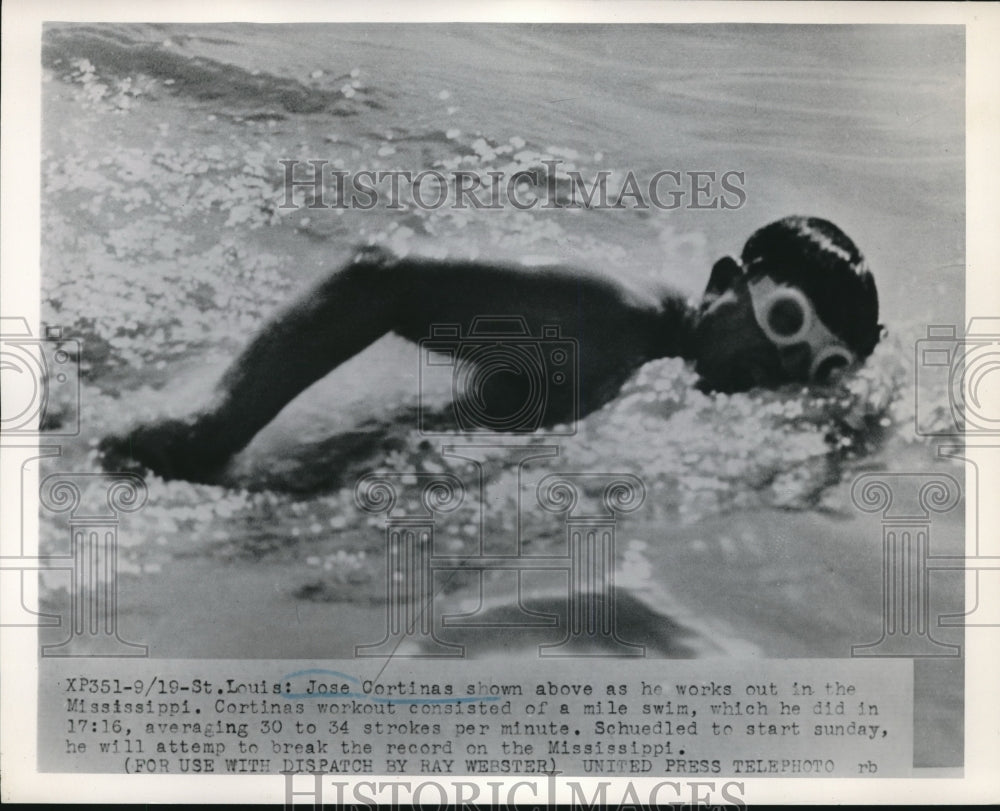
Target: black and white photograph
column 577, row 400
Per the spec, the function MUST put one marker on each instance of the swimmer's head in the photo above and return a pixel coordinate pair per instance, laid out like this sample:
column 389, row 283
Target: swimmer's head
column 816, row 257
column 799, row 306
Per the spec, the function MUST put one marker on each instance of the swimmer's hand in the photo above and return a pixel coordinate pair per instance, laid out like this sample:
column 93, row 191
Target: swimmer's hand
column 172, row 449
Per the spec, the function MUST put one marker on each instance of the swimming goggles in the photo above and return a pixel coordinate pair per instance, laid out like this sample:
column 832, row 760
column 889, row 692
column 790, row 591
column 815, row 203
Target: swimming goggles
column 786, row 316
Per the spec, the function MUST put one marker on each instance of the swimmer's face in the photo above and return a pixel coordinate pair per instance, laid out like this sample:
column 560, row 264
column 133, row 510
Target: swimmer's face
column 732, row 352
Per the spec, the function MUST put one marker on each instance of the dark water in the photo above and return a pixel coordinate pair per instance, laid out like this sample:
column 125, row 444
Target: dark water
column 165, row 247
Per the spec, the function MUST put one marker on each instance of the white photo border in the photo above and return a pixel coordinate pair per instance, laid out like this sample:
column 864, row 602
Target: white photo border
column 19, row 284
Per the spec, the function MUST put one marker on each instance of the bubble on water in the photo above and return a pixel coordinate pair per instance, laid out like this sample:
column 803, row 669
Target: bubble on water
column 563, row 152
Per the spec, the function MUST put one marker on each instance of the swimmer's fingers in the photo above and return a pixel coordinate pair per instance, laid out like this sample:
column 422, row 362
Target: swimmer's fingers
column 116, row 455
column 170, row 449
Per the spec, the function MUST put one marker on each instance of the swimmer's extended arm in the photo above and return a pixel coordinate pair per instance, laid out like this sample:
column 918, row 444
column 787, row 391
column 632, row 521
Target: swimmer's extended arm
column 616, row 329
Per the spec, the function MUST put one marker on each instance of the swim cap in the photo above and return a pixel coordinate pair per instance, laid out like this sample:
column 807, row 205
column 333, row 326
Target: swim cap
column 819, row 259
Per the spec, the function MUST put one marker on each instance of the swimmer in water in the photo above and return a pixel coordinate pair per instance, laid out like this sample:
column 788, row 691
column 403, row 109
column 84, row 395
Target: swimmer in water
column 800, row 306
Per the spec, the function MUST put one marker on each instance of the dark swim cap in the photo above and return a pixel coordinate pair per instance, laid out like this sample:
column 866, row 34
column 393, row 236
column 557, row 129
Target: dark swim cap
column 819, row 259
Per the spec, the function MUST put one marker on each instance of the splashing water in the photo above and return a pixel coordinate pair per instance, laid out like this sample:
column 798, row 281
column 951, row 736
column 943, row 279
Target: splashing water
column 166, row 246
